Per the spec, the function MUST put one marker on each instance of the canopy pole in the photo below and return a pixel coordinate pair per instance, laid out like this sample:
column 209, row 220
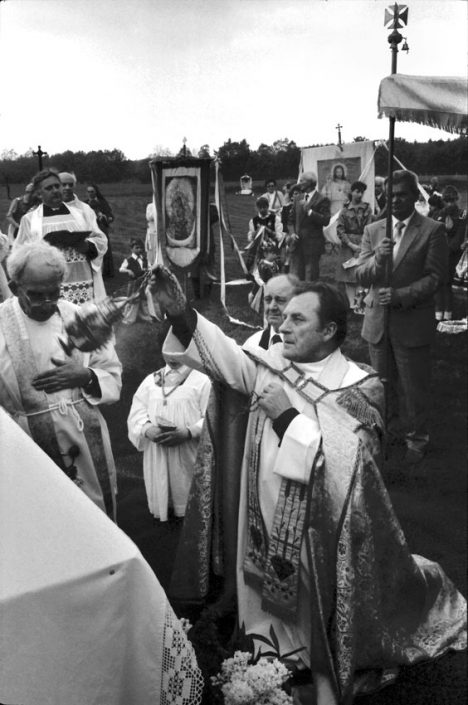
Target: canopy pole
column 395, row 17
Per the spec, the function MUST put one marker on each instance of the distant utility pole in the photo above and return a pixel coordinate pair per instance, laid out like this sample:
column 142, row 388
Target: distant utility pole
column 39, row 154
column 339, row 127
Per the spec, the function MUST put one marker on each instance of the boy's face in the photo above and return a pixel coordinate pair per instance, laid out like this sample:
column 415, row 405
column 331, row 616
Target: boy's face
column 137, row 250
column 263, row 210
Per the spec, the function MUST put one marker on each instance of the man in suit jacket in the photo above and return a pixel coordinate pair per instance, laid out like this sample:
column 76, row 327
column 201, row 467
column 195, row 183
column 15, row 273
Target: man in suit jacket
column 309, row 215
column 419, row 252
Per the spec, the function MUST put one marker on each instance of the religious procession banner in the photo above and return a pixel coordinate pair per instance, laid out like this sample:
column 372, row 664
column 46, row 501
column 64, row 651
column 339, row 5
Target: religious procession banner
column 181, row 194
column 336, row 168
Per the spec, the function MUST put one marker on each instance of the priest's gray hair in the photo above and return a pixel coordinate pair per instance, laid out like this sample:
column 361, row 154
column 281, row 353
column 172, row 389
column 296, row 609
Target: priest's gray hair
column 34, row 254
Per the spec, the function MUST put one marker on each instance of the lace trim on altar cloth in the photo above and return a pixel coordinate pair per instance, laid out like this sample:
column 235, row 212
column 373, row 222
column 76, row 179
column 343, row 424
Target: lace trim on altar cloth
column 182, row 681
column 77, row 292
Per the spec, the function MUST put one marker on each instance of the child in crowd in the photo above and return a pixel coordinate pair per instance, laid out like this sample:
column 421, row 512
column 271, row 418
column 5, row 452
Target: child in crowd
column 135, row 267
column 165, row 422
column 264, row 251
column 265, row 234
column 274, row 196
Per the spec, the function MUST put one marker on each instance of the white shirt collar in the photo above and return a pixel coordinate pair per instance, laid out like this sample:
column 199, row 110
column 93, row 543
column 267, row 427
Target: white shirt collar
column 406, row 221
column 313, row 369
column 273, row 332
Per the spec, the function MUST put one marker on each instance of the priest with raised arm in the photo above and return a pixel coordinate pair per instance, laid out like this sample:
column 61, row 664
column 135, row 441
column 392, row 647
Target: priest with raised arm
column 322, row 563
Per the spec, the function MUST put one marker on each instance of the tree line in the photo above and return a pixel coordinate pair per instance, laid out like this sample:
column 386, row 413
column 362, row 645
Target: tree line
column 279, row 161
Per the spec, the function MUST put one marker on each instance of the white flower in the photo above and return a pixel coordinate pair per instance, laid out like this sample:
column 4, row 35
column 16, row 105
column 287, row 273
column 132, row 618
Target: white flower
column 252, row 684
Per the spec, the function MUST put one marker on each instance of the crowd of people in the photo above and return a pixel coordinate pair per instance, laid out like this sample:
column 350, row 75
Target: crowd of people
column 312, row 550
column 286, row 234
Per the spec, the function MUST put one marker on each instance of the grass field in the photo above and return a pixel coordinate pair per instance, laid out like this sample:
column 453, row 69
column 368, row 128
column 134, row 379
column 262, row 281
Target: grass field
column 430, row 502
column 437, row 492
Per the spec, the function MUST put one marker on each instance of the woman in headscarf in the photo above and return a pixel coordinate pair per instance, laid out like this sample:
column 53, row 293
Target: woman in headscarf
column 105, row 217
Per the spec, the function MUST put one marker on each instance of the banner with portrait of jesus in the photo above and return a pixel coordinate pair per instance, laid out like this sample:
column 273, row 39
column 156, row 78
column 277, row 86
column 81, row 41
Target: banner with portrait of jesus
column 181, row 190
column 336, row 169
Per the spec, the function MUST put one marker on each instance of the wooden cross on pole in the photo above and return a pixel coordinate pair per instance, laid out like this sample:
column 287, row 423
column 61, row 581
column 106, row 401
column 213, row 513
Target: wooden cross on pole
column 39, row 154
column 338, row 127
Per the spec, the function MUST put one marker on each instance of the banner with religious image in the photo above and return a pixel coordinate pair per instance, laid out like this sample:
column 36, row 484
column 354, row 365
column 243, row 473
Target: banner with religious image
column 181, row 187
column 337, row 167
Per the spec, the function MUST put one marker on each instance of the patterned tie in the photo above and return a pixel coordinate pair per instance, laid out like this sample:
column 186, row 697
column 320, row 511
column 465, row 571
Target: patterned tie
column 275, row 339
column 397, row 235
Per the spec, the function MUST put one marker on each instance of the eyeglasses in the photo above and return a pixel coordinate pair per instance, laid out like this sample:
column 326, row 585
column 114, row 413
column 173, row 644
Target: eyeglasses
column 36, row 298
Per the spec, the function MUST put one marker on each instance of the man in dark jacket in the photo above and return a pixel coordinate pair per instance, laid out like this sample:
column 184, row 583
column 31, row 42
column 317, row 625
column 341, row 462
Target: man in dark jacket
column 309, row 215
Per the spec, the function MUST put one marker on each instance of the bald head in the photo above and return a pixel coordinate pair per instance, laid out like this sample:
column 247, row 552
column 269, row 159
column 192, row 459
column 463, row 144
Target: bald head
column 277, row 293
column 68, row 181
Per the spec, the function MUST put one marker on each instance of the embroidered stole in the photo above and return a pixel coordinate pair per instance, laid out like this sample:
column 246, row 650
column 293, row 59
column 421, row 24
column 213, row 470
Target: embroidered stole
column 272, row 562
column 36, row 403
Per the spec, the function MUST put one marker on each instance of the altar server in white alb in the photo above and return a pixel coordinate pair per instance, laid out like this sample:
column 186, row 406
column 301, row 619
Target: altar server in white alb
column 71, row 227
column 165, row 422
column 52, row 396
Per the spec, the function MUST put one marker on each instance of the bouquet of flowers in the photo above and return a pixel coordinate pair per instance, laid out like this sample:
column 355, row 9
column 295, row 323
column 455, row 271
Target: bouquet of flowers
column 245, row 683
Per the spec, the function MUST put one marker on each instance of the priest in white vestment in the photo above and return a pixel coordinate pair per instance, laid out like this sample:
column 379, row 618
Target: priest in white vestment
column 68, row 181
column 52, row 396
column 74, row 230
column 323, row 569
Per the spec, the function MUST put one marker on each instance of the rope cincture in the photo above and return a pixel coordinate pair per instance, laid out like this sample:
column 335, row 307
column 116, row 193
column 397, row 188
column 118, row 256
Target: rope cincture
column 63, row 407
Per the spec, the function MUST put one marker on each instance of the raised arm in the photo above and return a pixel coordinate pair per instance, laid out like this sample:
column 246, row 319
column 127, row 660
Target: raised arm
column 197, row 342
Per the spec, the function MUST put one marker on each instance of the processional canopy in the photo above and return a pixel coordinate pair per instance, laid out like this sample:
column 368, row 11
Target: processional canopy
column 438, row 101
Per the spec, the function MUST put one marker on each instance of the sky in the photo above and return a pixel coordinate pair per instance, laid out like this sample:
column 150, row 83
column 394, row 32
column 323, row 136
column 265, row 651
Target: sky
column 142, row 74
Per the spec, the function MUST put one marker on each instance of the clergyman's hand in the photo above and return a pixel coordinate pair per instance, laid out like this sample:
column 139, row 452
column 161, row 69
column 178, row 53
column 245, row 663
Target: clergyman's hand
column 65, row 375
column 274, row 400
column 166, row 291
